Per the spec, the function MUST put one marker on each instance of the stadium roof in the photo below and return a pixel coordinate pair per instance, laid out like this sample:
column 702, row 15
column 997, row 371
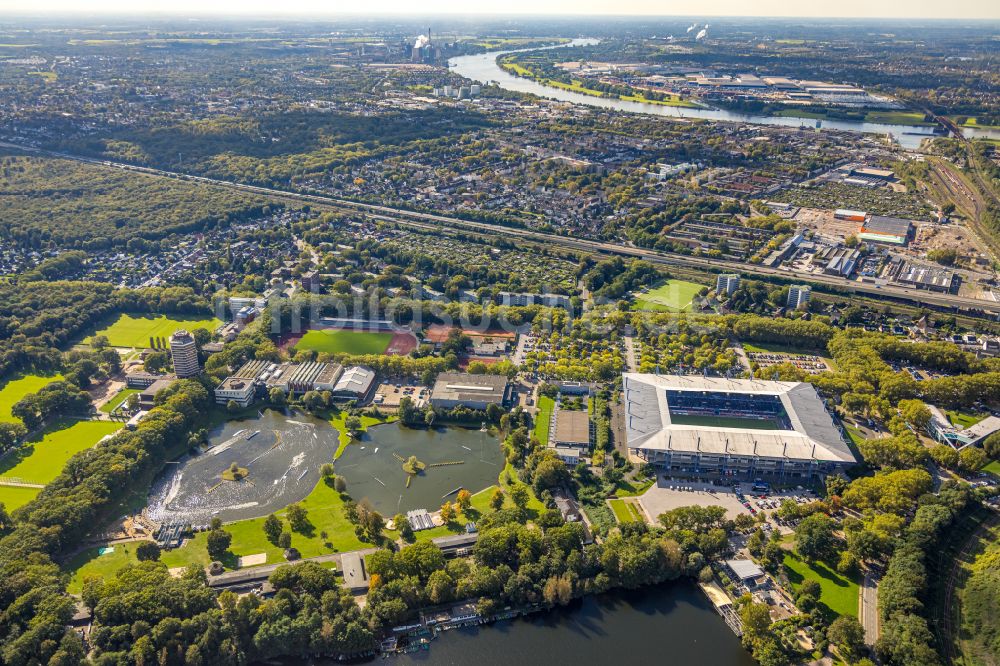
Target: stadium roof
column 813, row 436
column 355, row 380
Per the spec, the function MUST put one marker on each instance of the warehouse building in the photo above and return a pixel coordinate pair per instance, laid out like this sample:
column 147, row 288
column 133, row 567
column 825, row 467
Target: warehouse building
column 454, row 389
column 739, row 429
column 887, row 230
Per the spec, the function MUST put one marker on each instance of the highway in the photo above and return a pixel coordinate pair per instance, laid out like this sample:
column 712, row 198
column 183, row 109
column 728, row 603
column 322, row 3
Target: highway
column 402, row 216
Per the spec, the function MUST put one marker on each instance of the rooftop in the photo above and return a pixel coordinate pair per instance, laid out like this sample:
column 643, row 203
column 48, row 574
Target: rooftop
column 572, row 427
column 459, row 386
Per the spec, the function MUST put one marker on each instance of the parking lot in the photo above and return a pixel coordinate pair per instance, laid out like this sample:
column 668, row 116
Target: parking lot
column 669, row 493
column 389, row 394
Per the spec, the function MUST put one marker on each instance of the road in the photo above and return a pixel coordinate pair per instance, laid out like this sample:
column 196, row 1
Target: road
column 868, row 608
column 430, row 220
column 630, row 360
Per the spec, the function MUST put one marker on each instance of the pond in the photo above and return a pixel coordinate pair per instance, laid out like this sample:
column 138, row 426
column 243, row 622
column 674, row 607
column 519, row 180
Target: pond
column 454, row 458
column 281, row 456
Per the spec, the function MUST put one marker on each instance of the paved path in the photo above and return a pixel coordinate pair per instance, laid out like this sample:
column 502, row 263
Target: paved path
column 630, row 361
column 264, row 571
column 868, row 608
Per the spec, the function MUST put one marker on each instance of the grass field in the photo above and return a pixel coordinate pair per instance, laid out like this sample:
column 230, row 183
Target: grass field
column 897, row 118
column 625, row 512
column 838, row 594
column 773, row 348
column 723, row 422
column 43, row 460
column 544, row 419
column 135, row 330
column 993, row 467
column 672, row 296
column 15, row 389
column 963, row 419
column 350, row 342
column 118, row 399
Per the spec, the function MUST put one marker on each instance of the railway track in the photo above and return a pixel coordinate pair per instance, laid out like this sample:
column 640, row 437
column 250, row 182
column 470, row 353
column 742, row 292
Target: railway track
column 950, row 302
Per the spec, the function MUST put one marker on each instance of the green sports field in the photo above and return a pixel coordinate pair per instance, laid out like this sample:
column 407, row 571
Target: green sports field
column 625, row 512
column 15, row 389
column 118, row 399
column 135, row 330
column 43, row 460
column 672, row 296
column 349, row 342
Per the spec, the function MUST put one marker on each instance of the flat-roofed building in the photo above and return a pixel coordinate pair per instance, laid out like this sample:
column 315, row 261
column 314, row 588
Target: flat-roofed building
column 930, row 278
column 887, row 230
column 147, row 398
column 352, row 565
column 453, row 389
column 798, row 296
column 947, row 433
column 732, row 428
column 239, row 390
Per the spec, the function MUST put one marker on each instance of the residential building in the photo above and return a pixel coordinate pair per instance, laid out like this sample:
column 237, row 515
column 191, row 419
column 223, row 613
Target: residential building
column 184, row 353
column 727, row 283
column 798, row 296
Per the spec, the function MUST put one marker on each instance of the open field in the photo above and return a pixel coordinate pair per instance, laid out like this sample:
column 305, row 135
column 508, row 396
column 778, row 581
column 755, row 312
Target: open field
column 41, row 461
column 118, row 399
column 350, row 342
column 135, row 330
column 723, row 422
column 898, row 118
column 672, row 296
column 773, row 348
column 838, row 594
column 543, row 419
column 15, row 389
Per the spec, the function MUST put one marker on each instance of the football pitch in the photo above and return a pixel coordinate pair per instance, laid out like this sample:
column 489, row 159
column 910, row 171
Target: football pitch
column 344, row 342
column 671, row 296
column 723, row 422
column 136, row 330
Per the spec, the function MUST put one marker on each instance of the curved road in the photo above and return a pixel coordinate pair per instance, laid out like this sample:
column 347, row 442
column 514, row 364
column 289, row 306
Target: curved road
column 400, row 215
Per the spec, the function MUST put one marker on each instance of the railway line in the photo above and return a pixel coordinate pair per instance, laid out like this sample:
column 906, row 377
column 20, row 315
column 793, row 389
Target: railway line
column 949, row 302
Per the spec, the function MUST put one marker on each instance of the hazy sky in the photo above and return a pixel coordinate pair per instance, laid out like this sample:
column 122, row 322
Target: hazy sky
column 989, row 9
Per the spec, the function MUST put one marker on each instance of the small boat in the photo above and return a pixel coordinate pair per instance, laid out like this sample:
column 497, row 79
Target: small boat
column 466, row 448
column 483, row 428
column 304, row 472
column 253, row 434
column 376, row 450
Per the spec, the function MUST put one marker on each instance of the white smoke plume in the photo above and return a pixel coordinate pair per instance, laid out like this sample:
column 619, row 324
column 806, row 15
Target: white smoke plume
column 701, row 34
column 422, row 41
column 692, row 27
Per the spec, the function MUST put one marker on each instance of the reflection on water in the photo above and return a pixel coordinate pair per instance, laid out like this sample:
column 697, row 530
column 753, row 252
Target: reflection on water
column 373, row 467
column 483, row 67
column 281, row 454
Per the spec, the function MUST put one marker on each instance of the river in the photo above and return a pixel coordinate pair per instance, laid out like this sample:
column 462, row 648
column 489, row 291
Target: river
column 483, row 68
column 672, row 623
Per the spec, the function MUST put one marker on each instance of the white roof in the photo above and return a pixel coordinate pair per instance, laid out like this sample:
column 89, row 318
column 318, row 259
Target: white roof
column 813, row 434
column 355, row 380
column 745, row 569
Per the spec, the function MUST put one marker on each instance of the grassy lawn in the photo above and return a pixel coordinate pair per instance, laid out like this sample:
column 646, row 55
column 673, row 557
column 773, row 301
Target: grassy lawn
column 42, row 460
column 838, row 594
column 897, row 118
column 973, row 122
column 856, row 435
column 993, row 467
column 578, row 86
column 15, row 389
column 772, row 348
column 135, row 330
column 337, row 422
column 963, row 419
column 325, row 512
column 625, row 512
column 118, row 399
column 633, row 488
column 543, row 419
column 350, row 342
column 672, row 296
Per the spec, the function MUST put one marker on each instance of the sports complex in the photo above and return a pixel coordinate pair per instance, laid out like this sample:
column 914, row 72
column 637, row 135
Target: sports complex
column 742, row 429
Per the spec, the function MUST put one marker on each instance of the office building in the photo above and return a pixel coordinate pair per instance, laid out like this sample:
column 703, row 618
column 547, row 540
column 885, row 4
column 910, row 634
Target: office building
column 184, row 353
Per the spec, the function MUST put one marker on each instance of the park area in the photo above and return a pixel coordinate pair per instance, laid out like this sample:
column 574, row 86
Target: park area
column 671, row 296
column 838, row 593
column 338, row 341
column 15, row 389
column 136, row 330
column 39, row 462
column 626, row 511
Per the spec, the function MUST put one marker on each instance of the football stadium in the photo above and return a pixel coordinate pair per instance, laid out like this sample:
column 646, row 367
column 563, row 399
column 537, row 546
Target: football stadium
column 738, row 429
